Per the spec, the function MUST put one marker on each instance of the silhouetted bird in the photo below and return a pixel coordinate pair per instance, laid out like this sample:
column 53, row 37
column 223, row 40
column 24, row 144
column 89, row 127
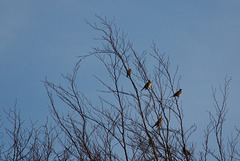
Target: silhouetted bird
column 129, row 72
column 158, row 123
column 178, row 93
column 150, row 141
column 185, row 151
column 147, row 85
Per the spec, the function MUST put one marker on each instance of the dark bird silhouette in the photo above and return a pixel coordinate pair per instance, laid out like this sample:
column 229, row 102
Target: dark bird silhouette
column 147, row 85
column 186, row 152
column 129, row 72
column 150, row 141
column 158, row 123
column 178, row 93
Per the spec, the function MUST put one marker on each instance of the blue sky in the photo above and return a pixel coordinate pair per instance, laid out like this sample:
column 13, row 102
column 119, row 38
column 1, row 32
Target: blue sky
column 41, row 39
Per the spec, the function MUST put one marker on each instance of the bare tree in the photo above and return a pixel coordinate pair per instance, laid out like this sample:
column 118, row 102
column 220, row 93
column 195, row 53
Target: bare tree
column 19, row 136
column 26, row 143
column 1, row 137
column 222, row 150
column 139, row 114
column 120, row 128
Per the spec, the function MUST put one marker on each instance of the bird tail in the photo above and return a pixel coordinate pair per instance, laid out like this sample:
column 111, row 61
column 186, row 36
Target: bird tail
column 142, row 88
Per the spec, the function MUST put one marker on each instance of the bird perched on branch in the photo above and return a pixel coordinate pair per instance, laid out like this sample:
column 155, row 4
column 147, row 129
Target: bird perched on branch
column 178, row 93
column 147, row 85
column 186, row 152
column 129, row 72
column 158, row 123
column 150, row 141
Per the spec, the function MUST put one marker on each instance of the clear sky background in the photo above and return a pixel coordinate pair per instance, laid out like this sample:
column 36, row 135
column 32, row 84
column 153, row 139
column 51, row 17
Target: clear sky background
column 41, row 39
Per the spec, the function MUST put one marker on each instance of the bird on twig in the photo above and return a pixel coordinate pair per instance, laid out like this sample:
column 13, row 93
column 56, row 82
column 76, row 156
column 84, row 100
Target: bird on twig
column 147, row 85
column 150, row 141
column 158, row 123
column 186, row 152
column 129, row 72
column 178, row 93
